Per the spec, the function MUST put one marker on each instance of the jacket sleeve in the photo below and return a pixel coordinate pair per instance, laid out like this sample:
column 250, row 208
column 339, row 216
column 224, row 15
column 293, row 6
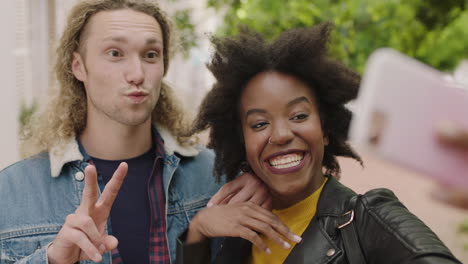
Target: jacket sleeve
column 390, row 233
column 193, row 253
column 40, row 256
column 434, row 259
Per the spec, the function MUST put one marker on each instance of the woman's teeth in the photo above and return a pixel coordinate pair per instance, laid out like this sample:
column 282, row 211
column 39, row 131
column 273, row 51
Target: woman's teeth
column 286, row 161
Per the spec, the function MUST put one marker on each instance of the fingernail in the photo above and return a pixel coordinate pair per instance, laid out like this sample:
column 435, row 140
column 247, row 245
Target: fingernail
column 286, row 245
column 268, row 251
column 297, row 238
column 209, row 205
column 448, row 129
column 97, row 257
column 102, row 248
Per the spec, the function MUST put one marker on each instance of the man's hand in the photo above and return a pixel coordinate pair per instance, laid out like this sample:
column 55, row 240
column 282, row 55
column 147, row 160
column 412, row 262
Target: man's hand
column 246, row 220
column 454, row 196
column 454, row 137
column 246, row 187
column 83, row 237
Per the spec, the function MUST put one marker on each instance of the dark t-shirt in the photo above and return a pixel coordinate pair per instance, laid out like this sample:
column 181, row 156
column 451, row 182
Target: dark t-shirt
column 130, row 214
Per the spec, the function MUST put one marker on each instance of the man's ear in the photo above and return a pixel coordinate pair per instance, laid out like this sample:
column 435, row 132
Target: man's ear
column 325, row 140
column 78, row 67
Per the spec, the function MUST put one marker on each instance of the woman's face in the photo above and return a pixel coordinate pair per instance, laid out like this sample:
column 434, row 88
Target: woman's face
column 283, row 137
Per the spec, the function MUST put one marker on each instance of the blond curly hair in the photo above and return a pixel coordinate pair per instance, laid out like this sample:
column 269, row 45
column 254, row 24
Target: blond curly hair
column 64, row 116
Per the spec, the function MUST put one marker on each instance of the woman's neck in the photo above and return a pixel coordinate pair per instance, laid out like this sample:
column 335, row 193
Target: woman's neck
column 281, row 201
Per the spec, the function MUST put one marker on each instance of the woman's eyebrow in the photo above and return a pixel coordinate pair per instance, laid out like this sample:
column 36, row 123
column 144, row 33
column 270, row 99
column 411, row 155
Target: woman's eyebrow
column 255, row 110
column 298, row 100
column 290, row 103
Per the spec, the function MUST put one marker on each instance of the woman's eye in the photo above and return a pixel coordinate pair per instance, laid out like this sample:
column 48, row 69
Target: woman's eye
column 259, row 125
column 299, row 117
column 114, row 53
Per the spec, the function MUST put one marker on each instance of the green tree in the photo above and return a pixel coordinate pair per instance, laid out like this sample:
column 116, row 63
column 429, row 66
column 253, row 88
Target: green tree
column 433, row 31
column 185, row 29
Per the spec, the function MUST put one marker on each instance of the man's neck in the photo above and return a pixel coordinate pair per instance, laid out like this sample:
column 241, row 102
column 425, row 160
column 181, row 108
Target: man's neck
column 116, row 141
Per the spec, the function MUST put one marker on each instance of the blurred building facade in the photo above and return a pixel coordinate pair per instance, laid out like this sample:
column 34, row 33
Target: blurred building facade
column 9, row 105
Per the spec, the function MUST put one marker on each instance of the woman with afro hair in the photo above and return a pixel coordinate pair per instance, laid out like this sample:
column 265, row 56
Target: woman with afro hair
column 277, row 110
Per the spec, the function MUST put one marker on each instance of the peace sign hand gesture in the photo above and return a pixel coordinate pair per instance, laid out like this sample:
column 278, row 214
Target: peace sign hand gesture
column 82, row 236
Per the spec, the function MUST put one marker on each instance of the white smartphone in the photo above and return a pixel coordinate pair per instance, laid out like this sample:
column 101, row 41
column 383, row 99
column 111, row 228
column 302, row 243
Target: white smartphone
column 401, row 102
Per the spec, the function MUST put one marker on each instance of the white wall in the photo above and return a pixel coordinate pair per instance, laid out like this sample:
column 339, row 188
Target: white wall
column 189, row 76
column 38, row 47
column 8, row 99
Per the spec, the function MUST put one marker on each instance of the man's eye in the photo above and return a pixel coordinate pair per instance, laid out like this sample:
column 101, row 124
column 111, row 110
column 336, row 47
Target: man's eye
column 259, row 125
column 114, row 53
column 299, row 117
column 152, row 55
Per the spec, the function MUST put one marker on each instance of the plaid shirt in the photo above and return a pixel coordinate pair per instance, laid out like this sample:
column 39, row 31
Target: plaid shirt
column 158, row 249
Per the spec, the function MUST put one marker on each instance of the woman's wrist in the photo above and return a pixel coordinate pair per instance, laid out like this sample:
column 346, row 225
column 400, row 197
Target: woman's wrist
column 193, row 234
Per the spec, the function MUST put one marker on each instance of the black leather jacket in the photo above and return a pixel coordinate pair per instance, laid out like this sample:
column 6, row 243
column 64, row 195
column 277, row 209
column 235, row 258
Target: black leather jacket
column 386, row 230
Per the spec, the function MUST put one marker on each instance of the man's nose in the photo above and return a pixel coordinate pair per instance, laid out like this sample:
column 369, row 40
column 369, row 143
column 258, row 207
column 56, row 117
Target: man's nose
column 281, row 134
column 135, row 72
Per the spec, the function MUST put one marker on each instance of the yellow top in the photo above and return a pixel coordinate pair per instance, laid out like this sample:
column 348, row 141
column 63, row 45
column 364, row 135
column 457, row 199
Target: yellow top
column 297, row 218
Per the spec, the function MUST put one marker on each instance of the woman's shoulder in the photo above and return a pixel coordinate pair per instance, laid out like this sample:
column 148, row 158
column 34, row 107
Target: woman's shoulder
column 379, row 211
column 380, row 197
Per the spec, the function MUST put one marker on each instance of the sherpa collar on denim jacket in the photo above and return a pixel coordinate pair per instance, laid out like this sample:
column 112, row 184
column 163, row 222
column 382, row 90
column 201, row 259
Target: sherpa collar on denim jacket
column 70, row 151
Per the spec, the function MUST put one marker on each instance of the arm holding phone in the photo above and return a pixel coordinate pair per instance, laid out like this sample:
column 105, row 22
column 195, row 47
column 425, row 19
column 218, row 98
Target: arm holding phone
column 451, row 136
column 401, row 103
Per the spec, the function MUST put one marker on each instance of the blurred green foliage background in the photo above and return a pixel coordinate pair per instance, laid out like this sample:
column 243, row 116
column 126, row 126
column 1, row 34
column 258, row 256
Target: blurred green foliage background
column 433, row 31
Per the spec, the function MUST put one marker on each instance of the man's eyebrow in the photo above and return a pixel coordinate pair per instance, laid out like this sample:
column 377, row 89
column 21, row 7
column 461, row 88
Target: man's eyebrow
column 298, row 100
column 115, row 39
column 253, row 111
column 149, row 41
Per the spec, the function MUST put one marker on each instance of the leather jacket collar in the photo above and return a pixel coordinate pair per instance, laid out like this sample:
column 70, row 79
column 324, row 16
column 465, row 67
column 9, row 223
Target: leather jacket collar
column 318, row 246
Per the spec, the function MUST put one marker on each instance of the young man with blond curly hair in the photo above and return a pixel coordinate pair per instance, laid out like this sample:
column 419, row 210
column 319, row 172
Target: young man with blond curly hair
column 114, row 170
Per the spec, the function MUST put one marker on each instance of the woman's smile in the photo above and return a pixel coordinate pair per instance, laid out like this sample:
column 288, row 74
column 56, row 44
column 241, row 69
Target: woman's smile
column 286, row 163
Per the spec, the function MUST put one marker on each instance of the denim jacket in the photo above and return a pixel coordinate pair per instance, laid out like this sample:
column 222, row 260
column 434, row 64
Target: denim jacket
column 36, row 195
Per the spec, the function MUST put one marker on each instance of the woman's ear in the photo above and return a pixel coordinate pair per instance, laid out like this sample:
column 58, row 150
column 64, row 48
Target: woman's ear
column 325, row 140
column 78, row 68
column 241, row 134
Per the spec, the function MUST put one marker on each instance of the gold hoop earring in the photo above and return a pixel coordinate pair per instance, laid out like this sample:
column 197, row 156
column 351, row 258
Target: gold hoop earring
column 245, row 166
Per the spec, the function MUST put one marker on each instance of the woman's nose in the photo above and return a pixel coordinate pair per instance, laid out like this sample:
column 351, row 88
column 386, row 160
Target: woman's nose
column 281, row 134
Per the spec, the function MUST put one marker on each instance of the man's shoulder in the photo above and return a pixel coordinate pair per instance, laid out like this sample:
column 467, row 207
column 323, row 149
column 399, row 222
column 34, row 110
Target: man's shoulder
column 28, row 175
column 206, row 153
column 205, row 156
column 200, row 168
column 37, row 163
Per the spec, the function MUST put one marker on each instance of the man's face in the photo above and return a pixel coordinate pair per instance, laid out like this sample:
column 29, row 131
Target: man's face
column 122, row 66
